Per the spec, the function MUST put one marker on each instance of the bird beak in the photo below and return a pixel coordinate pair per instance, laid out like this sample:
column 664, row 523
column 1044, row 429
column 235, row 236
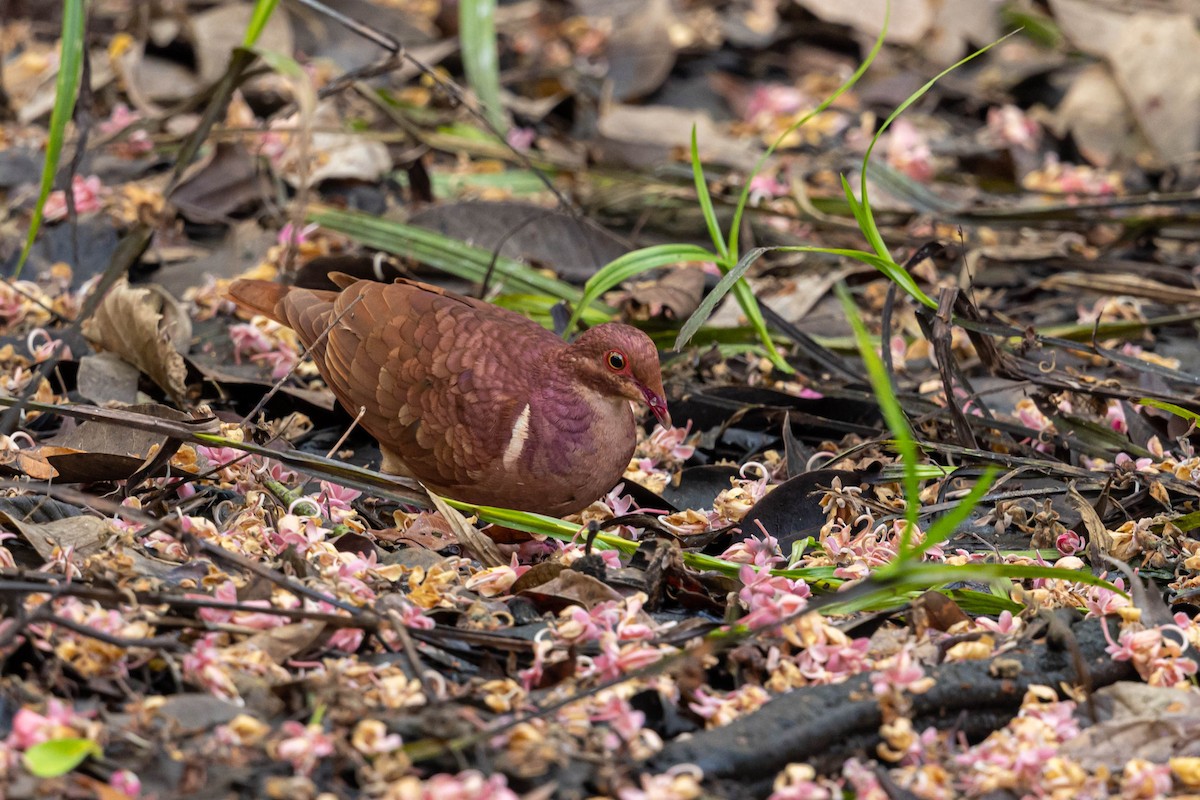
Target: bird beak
column 658, row 405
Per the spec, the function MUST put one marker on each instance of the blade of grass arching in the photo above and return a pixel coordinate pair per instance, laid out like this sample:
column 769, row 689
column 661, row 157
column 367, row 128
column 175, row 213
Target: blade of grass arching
column 893, row 414
column 1188, row 522
column 736, row 226
column 706, row 203
column 705, row 309
column 540, row 306
column 635, row 263
column 1171, row 408
column 449, row 255
column 477, row 32
column 927, row 574
column 886, row 264
column 66, row 92
column 871, row 232
column 258, row 21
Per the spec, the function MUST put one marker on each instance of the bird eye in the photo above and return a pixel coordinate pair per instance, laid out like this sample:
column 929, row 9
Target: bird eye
column 616, row 360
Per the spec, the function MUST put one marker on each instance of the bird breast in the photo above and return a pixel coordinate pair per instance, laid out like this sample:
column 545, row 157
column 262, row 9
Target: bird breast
column 563, row 443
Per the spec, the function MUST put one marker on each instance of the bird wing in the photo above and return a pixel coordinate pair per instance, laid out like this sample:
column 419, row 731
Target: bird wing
column 443, row 379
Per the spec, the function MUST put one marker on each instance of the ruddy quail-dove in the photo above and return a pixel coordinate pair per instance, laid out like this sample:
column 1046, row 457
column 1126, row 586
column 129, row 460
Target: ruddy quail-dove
column 474, row 401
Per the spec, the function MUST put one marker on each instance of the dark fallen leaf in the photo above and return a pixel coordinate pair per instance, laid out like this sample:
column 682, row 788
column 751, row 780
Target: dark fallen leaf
column 674, row 296
column 285, row 641
column 191, row 713
column 816, row 419
column 697, row 487
column 37, row 508
column 639, row 54
column 937, row 611
column 108, row 451
column 1154, row 723
column 645, row 137
column 107, row 378
column 97, row 239
column 228, row 182
column 574, row 248
column 644, row 498
column 537, row 575
column 215, row 361
column 793, row 509
column 314, row 274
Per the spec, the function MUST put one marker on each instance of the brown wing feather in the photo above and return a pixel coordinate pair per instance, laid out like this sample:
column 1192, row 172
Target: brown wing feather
column 442, row 377
column 261, row 297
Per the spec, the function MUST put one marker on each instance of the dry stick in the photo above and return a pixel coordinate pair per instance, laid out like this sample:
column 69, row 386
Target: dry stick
column 164, row 642
column 410, row 653
column 388, row 486
column 195, row 544
column 458, row 96
column 60, row 588
column 362, row 410
column 938, row 333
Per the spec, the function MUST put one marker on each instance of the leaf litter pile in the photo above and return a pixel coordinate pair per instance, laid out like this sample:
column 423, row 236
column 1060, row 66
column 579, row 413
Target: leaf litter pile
column 947, row 555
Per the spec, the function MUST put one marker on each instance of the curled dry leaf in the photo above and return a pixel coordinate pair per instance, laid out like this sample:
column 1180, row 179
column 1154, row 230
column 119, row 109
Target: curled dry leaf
column 33, row 465
column 148, row 328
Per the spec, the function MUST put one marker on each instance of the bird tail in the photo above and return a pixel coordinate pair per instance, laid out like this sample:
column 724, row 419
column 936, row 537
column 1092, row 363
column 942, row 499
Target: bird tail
column 261, row 297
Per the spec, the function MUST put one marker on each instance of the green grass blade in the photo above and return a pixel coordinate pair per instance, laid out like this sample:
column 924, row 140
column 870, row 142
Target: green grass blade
column 66, row 92
column 637, row 262
column 884, row 263
column 871, row 231
column 477, row 33
column 945, row 525
column 1179, row 411
column 736, row 226
column 706, row 203
column 258, row 22
column 893, row 414
column 705, row 309
column 917, row 577
column 449, row 255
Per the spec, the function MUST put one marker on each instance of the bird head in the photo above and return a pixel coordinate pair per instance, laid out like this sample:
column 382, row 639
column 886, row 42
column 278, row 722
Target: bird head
column 620, row 360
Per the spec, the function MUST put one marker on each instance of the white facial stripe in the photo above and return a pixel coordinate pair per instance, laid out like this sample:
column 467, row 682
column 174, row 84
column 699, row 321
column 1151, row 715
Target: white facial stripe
column 519, row 435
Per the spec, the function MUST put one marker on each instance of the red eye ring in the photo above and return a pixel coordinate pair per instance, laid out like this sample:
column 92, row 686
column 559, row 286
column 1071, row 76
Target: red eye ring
column 615, row 360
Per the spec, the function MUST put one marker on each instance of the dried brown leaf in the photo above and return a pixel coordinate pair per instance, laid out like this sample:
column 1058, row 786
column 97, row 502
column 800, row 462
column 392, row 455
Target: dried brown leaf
column 147, row 327
column 84, row 535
